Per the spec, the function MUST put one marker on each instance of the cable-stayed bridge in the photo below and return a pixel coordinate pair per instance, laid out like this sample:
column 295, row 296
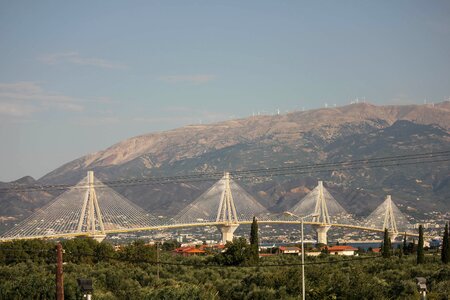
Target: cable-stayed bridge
column 84, row 210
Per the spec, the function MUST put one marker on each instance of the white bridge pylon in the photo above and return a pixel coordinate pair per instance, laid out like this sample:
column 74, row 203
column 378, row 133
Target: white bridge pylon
column 388, row 216
column 88, row 208
column 225, row 203
column 91, row 215
column 322, row 204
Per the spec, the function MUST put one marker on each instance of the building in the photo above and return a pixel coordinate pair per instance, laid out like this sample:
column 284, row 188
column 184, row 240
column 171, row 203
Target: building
column 289, row 250
column 189, row 251
column 313, row 253
column 213, row 248
column 342, row 250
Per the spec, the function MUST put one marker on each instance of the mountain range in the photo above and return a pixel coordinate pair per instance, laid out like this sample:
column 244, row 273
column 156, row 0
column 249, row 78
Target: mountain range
column 352, row 132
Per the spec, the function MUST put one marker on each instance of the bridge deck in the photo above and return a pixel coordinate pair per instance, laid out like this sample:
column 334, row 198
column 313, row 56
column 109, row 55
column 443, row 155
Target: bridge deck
column 204, row 224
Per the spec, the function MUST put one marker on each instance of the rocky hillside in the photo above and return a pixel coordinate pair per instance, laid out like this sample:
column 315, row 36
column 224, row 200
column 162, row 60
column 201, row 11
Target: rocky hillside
column 15, row 206
column 350, row 132
column 300, row 130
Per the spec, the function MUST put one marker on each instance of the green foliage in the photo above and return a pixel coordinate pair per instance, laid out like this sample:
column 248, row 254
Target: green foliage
column 104, row 251
column 170, row 245
column 79, row 250
column 324, row 251
column 405, row 245
column 411, row 248
column 399, row 251
column 26, row 281
column 183, row 292
column 386, row 247
column 237, row 252
column 86, row 250
column 420, row 253
column 24, row 250
column 333, row 278
column 138, row 251
column 254, row 242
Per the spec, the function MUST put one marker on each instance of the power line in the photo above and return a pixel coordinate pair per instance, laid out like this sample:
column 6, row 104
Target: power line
column 381, row 162
column 255, row 266
column 357, row 161
column 26, row 250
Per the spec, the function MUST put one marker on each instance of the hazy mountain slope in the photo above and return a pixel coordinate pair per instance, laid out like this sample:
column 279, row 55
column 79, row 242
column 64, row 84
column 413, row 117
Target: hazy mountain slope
column 317, row 127
column 350, row 132
column 15, row 206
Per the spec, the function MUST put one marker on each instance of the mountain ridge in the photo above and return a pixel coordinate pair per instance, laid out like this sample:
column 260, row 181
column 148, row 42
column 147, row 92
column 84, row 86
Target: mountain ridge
column 358, row 131
column 196, row 140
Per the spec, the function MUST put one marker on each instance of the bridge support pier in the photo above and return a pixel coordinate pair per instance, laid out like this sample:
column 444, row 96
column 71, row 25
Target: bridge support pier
column 227, row 232
column 322, row 231
column 393, row 235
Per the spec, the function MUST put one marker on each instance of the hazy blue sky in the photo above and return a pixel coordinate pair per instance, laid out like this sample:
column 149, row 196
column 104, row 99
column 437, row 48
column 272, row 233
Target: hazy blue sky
column 78, row 76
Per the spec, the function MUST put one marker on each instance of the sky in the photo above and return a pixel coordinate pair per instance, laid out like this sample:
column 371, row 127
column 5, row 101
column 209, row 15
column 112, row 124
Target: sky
column 79, row 76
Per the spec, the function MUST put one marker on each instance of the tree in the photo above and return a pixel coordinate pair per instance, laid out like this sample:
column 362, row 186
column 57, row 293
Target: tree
column 79, row 250
column 324, row 251
column 254, row 241
column 236, row 253
column 445, row 254
column 104, row 252
column 170, row 245
column 138, row 251
column 420, row 254
column 386, row 248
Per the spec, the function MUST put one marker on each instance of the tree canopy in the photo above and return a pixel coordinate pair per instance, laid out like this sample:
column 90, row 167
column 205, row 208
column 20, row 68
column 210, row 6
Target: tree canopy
column 27, row 271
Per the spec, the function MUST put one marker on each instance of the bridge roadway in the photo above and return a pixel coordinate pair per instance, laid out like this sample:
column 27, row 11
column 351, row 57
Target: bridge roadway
column 203, row 224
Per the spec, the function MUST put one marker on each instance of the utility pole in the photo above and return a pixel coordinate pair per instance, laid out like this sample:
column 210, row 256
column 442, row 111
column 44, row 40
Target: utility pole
column 59, row 273
column 302, row 219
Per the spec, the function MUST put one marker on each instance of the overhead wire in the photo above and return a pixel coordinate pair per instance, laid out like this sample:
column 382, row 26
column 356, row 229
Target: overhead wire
column 154, row 262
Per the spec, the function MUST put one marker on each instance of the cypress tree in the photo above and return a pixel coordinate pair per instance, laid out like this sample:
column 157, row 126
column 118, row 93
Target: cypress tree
column 420, row 254
column 254, row 241
column 386, row 248
column 445, row 254
column 400, row 251
column 405, row 245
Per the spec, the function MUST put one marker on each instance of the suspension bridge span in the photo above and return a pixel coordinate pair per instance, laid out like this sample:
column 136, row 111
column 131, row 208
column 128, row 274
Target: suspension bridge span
column 84, row 210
